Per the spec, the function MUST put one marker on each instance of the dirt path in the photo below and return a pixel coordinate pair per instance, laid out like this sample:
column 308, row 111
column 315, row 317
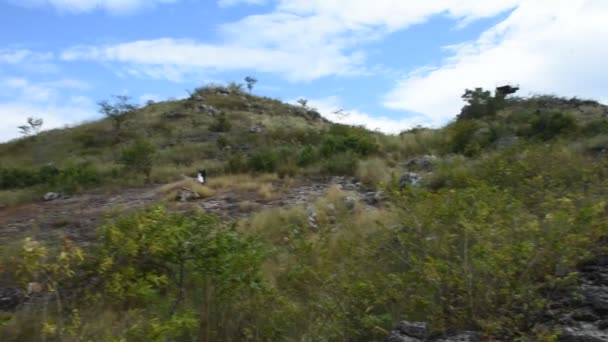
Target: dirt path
column 78, row 216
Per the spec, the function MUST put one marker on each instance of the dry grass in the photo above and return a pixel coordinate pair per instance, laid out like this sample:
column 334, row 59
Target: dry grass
column 170, row 190
column 262, row 184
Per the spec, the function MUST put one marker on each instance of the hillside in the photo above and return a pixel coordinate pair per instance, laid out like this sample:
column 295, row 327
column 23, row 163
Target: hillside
column 308, row 230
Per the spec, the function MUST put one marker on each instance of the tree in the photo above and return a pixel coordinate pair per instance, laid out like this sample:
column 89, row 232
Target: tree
column 235, row 88
column 118, row 111
column 303, row 102
column 139, row 158
column 33, row 127
column 251, row 81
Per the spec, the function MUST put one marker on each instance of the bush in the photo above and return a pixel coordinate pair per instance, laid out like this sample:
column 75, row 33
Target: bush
column 263, row 161
column 340, row 164
column 139, row 158
column 221, row 124
column 546, row 126
column 341, row 138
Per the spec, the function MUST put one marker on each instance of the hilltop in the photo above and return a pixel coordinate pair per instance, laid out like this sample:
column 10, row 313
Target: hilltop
column 308, row 229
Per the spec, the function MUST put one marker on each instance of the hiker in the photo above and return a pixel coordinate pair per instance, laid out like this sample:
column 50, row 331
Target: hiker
column 201, row 177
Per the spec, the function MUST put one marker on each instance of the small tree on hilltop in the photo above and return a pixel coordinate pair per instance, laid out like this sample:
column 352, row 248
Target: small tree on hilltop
column 139, row 158
column 303, row 103
column 118, row 112
column 33, row 127
column 251, row 81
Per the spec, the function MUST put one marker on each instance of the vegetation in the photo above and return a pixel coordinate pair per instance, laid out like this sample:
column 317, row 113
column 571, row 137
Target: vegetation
column 515, row 201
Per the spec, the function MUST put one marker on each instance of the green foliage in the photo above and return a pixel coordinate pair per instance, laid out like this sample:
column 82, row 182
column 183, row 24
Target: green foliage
column 480, row 104
column 138, row 157
column 69, row 179
column 251, row 81
column 547, row 125
column 221, row 124
column 342, row 138
column 118, row 111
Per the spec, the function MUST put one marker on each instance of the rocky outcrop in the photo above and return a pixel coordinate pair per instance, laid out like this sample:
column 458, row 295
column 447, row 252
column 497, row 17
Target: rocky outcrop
column 424, row 163
column 51, row 196
column 10, row 298
column 207, row 109
column 417, row 332
column 186, row 195
column 409, row 178
column 581, row 314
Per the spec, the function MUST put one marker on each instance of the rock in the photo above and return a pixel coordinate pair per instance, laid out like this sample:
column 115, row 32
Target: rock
column 408, row 332
column 10, row 298
column 185, row 195
column 425, row 162
column 331, row 213
column 51, row 196
column 349, row 202
column 174, row 116
column 312, row 218
column 256, row 129
column 583, row 334
column 409, row 178
column 34, row 288
column 466, row 336
column 208, row 109
column 375, row 197
column 584, row 315
column 199, row 97
column 223, row 91
column 597, row 296
column 507, row 141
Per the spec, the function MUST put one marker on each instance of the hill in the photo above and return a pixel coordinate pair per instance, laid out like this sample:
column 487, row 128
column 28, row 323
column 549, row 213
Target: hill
column 308, row 230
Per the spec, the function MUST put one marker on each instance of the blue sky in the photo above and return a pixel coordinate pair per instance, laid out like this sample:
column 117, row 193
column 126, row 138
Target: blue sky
column 390, row 64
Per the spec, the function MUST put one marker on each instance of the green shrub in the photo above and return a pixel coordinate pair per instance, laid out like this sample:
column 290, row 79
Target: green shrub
column 221, row 124
column 138, row 158
column 263, row 161
column 546, row 126
column 340, row 164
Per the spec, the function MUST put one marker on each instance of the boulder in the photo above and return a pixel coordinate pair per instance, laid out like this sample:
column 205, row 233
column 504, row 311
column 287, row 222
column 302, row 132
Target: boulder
column 256, row 129
column 409, row 178
column 51, row 196
column 408, row 332
column 10, row 298
column 424, row 162
column 349, row 202
column 375, row 197
column 208, row 109
column 312, row 218
column 185, row 195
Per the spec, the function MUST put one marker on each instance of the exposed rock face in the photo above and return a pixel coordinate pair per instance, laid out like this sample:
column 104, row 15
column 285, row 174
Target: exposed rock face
column 185, row 195
column 208, row 109
column 424, row 162
column 256, row 129
column 10, row 298
column 349, row 202
column 409, row 332
column 51, row 196
column 409, row 178
column 312, row 218
column 417, row 331
column 582, row 315
column 375, row 197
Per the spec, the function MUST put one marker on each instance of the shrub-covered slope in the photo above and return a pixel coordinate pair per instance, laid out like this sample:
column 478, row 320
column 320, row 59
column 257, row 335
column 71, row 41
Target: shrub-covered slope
column 507, row 200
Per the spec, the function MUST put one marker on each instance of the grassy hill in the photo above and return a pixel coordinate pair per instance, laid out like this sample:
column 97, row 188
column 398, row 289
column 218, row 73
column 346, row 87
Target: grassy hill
column 511, row 200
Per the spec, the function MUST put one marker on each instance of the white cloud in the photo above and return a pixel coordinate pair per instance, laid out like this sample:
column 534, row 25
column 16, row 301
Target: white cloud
column 17, row 56
column 174, row 59
column 84, row 6
column 22, row 98
column 328, row 106
column 546, row 46
column 230, row 3
column 14, row 114
column 300, row 40
column 25, row 90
